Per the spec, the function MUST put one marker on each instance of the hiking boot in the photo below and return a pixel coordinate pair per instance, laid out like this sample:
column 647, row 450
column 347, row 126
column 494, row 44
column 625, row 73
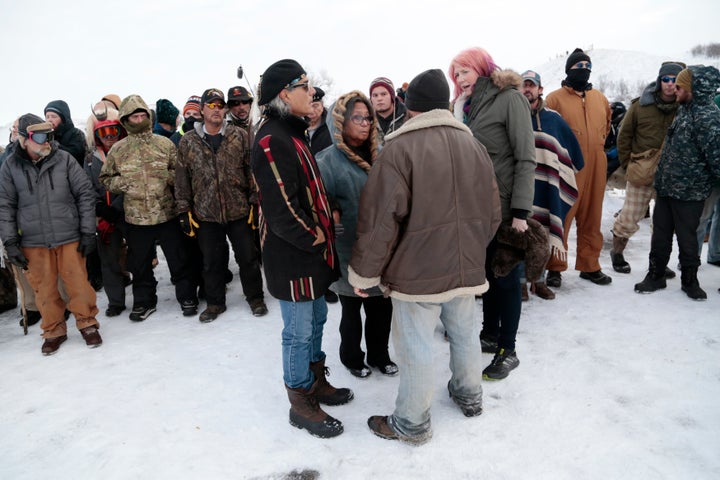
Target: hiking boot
column 258, row 308
column 326, row 393
column 524, row 292
column 542, row 290
column 211, row 313
column 597, row 277
column 139, row 313
column 554, row 279
column 189, row 308
column 331, row 297
column 651, row 283
column 114, row 310
column 362, row 372
column 91, row 336
column 33, row 317
column 388, row 368
column 51, row 345
column 501, row 366
column 669, row 274
column 690, row 284
column 305, row 412
column 469, row 410
column 616, row 255
column 488, row 343
column 379, row 426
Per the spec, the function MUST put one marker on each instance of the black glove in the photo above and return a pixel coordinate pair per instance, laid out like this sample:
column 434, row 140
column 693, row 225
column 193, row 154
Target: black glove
column 88, row 244
column 15, row 255
column 187, row 223
column 103, row 210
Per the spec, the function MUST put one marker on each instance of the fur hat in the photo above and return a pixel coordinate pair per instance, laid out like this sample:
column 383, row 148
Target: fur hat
column 428, row 91
column 684, row 79
column 166, row 112
column 385, row 83
column 531, row 246
column 31, row 122
column 576, row 56
column 278, row 76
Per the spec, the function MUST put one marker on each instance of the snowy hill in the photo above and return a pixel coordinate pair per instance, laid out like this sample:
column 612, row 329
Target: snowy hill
column 620, row 74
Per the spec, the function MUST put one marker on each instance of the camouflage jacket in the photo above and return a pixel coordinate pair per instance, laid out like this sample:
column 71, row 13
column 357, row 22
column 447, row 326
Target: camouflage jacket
column 690, row 161
column 142, row 167
column 217, row 187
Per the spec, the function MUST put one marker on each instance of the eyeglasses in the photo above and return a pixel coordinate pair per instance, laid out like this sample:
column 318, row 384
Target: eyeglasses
column 213, row 106
column 108, row 131
column 587, row 65
column 668, row 79
column 235, row 103
column 359, row 120
column 41, row 137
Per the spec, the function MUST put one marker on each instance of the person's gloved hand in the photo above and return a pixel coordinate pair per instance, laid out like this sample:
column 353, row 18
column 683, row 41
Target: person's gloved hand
column 88, row 244
column 107, row 212
column 15, row 255
column 105, row 229
column 188, row 224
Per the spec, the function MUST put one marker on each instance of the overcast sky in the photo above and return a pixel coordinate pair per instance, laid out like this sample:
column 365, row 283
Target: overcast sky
column 81, row 50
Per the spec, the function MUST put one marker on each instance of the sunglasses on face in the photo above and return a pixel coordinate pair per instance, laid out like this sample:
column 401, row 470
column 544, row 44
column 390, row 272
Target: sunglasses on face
column 359, row 120
column 587, row 65
column 41, row 137
column 668, row 79
column 213, row 106
column 109, row 131
column 296, row 84
column 235, row 103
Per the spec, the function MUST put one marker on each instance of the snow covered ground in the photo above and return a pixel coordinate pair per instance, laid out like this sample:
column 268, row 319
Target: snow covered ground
column 611, row 385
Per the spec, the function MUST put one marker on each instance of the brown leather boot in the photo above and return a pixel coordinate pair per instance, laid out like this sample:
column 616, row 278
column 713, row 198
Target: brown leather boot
column 542, row 290
column 616, row 255
column 326, row 393
column 524, row 292
column 305, row 412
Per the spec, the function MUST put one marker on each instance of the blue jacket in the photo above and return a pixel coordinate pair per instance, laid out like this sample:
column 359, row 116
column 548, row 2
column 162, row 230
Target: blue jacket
column 344, row 174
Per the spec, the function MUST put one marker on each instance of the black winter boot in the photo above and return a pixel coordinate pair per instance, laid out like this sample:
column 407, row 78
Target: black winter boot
column 616, row 255
column 654, row 280
column 326, row 393
column 690, row 284
column 305, row 412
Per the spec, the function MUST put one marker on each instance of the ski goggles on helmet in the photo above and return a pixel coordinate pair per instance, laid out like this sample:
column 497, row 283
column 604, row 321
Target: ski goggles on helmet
column 108, row 131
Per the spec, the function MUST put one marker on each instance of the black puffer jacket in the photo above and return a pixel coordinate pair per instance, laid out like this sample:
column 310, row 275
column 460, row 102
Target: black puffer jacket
column 45, row 204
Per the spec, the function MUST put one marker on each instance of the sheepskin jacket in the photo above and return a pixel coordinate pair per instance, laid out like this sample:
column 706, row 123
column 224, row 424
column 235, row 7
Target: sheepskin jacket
column 427, row 214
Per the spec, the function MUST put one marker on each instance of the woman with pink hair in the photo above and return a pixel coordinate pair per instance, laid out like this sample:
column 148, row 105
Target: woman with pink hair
column 488, row 100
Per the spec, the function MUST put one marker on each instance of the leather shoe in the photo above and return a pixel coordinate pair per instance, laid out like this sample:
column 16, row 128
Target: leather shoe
column 51, row 345
column 597, row 277
column 390, row 368
column 92, row 336
column 553, row 279
column 362, row 372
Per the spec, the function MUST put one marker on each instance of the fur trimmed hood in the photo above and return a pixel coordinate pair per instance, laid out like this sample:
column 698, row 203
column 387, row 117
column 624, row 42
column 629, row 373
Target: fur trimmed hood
column 335, row 122
column 506, row 79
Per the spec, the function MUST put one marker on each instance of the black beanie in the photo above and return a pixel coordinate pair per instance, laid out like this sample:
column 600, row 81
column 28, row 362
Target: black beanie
column 166, row 112
column 576, row 56
column 428, row 91
column 276, row 77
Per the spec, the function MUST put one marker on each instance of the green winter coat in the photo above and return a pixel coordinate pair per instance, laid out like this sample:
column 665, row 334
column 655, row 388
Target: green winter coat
column 142, row 167
column 499, row 117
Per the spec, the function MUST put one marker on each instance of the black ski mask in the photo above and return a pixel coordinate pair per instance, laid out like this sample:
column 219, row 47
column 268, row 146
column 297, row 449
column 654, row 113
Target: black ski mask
column 578, row 79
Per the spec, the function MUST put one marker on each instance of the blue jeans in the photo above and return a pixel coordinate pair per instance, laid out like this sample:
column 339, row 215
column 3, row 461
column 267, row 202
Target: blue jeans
column 302, row 340
column 413, row 329
column 710, row 217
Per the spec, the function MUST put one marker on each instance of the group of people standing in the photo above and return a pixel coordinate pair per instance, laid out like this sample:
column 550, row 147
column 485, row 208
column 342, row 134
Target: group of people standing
column 408, row 208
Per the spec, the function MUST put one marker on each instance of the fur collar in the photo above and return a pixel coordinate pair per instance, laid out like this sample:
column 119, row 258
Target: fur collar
column 506, row 79
column 433, row 118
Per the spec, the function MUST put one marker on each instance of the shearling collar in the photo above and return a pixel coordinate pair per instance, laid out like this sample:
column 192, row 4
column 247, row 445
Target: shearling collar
column 433, row 118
